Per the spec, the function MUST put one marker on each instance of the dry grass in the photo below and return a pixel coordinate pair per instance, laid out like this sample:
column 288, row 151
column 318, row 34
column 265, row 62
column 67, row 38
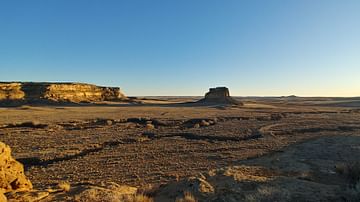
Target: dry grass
column 142, row 198
column 268, row 194
column 188, row 197
column 65, row 186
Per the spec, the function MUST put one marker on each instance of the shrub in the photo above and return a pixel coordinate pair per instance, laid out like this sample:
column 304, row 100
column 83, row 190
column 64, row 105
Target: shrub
column 268, row 194
column 142, row 198
column 65, row 186
column 351, row 171
column 188, row 197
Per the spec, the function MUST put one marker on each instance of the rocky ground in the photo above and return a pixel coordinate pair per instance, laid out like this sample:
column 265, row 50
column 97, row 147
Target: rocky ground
column 266, row 150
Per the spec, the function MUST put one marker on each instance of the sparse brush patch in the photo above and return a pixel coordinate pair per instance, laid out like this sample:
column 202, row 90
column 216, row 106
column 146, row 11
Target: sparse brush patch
column 354, row 173
column 142, row 198
column 268, row 194
column 340, row 168
column 188, row 197
column 148, row 189
column 351, row 171
column 65, row 186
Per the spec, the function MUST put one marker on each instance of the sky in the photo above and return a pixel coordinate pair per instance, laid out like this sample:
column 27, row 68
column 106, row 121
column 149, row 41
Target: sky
column 184, row 47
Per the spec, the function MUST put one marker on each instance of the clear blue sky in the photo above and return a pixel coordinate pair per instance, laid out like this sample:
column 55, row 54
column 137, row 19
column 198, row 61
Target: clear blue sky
column 183, row 47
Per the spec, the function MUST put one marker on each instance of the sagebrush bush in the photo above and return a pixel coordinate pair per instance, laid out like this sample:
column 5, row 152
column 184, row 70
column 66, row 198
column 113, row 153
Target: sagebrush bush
column 351, row 171
column 188, row 197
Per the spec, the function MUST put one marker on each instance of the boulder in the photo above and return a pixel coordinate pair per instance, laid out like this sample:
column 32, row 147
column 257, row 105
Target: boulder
column 12, row 177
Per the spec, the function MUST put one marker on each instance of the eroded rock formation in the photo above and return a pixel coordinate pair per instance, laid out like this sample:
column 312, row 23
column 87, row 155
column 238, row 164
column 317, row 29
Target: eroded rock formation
column 58, row 92
column 12, row 176
column 11, row 91
column 219, row 95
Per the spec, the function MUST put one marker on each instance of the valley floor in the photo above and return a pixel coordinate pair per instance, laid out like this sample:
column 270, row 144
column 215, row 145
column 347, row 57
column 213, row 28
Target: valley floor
column 294, row 150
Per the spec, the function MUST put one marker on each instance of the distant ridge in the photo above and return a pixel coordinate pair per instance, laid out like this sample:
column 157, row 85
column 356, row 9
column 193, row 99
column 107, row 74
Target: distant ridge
column 35, row 92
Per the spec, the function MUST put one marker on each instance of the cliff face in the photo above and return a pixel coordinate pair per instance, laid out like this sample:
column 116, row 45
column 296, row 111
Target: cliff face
column 58, row 92
column 81, row 92
column 11, row 91
column 219, row 95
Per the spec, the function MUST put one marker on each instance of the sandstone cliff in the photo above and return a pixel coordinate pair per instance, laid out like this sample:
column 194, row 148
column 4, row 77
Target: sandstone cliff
column 57, row 92
column 11, row 91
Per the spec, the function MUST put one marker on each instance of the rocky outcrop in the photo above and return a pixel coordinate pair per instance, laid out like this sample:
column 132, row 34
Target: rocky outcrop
column 12, row 177
column 219, row 95
column 14, row 186
column 57, row 92
column 11, row 91
column 107, row 192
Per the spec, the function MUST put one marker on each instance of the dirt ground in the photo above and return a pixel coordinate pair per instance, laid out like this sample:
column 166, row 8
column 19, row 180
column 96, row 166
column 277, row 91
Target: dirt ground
column 157, row 143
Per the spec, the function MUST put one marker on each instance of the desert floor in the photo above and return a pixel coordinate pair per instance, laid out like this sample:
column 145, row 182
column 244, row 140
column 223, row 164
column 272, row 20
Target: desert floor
column 160, row 142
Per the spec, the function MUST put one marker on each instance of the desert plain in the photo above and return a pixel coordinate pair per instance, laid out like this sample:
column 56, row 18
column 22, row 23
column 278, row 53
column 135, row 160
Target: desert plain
column 175, row 149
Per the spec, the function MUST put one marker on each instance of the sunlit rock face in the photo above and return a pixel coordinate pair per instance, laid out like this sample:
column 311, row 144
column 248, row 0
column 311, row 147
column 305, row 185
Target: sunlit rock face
column 12, row 177
column 11, row 91
column 219, row 95
column 58, row 92
column 81, row 92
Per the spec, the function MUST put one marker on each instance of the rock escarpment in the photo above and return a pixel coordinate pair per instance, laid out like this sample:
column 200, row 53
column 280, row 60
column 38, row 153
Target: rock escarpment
column 57, row 92
column 11, row 91
column 219, row 95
